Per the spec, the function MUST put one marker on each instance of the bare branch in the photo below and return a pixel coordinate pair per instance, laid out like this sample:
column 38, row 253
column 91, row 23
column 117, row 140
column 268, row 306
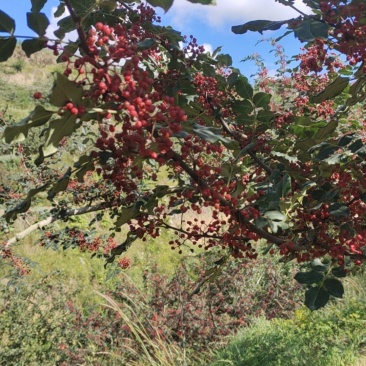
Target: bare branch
column 49, row 220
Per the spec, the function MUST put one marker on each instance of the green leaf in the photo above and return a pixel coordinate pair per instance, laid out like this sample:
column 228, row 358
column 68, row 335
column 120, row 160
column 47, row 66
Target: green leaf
column 30, row 46
column 107, row 5
column 316, row 297
column 216, row 51
column 69, row 50
column 118, row 250
column 261, row 100
column 339, row 272
column 332, row 90
column 208, row 70
column 358, row 144
column 38, row 22
column 318, row 265
column 7, row 24
column 213, row 135
column 347, row 70
column 339, row 210
column 37, row 5
column 305, row 145
column 127, row 214
column 245, row 120
column 164, row 4
column 7, row 47
column 312, row 3
column 84, row 164
column 66, row 25
column 311, row 29
column 261, row 222
column 57, row 130
column 243, row 88
column 325, row 151
column 60, row 186
column 232, row 79
column 265, row 115
column 83, row 7
column 244, row 151
column 328, row 129
column 244, row 107
column 65, row 90
column 24, row 205
column 214, row 275
column 308, row 278
column 284, row 186
column 345, row 140
column 19, row 131
column 121, row 248
column 356, row 91
column 59, row 11
column 275, row 216
column 224, row 60
column 291, row 159
column 146, row 44
column 334, row 286
column 258, row 26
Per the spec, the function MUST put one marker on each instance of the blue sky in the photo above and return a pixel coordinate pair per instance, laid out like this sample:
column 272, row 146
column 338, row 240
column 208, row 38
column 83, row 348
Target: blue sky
column 209, row 24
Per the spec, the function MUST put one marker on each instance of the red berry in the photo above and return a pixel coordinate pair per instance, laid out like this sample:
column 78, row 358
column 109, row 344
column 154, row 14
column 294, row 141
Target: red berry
column 99, row 26
column 153, row 155
column 74, row 111
column 37, row 95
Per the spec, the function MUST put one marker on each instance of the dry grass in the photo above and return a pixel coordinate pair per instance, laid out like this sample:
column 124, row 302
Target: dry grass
column 153, row 349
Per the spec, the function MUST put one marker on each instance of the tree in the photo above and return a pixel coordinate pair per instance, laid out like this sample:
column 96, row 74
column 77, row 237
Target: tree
column 285, row 171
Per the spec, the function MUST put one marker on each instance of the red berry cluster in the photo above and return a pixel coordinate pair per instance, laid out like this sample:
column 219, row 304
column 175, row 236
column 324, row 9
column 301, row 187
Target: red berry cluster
column 348, row 28
column 124, row 262
column 16, row 262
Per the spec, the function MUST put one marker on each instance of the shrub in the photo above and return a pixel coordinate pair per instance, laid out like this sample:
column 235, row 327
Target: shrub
column 34, row 322
column 332, row 337
column 169, row 321
column 191, row 313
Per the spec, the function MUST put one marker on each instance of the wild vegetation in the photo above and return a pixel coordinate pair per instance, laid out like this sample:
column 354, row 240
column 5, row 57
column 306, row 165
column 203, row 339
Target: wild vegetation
column 141, row 142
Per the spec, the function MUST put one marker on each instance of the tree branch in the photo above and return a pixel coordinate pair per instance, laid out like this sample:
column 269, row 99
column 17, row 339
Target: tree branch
column 76, row 19
column 49, row 220
column 239, row 138
column 241, row 219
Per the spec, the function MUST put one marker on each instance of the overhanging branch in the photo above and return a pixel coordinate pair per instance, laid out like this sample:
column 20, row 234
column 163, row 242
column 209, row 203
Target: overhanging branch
column 49, row 220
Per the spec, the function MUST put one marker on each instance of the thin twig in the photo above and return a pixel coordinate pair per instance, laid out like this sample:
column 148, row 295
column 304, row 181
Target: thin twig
column 241, row 219
column 77, row 21
column 239, row 138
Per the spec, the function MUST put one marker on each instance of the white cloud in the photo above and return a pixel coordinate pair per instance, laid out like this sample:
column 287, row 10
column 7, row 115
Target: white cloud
column 231, row 12
column 72, row 36
column 208, row 48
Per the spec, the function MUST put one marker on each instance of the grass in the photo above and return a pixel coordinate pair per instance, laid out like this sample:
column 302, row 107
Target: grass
column 153, row 349
column 20, row 77
column 332, row 336
column 286, row 343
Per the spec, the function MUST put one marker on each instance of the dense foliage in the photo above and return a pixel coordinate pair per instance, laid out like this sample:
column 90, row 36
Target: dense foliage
column 285, row 169
column 331, row 338
column 44, row 322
